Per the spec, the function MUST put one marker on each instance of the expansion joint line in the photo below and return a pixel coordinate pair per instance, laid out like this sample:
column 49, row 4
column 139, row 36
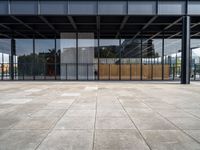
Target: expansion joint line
column 51, row 129
column 134, row 124
column 94, row 132
column 182, row 130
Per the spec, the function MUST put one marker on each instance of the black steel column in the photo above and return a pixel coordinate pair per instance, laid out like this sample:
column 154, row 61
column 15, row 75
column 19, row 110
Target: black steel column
column 120, row 59
column 13, row 50
column 77, row 56
column 98, row 51
column 185, row 57
column 141, row 53
column 34, row 59
column 162, row 59
column 2, row 67
column 55, row 60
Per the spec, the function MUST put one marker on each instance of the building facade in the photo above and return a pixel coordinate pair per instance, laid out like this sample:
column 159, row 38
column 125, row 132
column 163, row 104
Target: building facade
column 100, row 40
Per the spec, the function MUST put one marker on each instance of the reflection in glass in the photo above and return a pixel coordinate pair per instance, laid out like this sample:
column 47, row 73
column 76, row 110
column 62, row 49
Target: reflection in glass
column 109, row 61
column 5, row 49
column 157, row 60
column 86, row 56
column 195, row 62
column 172, row 59
column 45, row 55
column 130, row 59
column 152, row 59
column 68, row 59
column 148, row 53
column 24, row 59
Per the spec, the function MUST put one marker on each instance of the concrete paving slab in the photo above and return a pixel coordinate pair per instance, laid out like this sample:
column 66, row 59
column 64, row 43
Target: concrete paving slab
column 76, row 123
column 99, row 115
column 8, row 122
column 119, row 140
column 80, row 113
column 194, row 133
column 168, row 113
column 153, row 123
column 186, row 123
column 70, row 94
column 21, row 139
column 114, row 123
column 48, row 113
column 111, row 113
column 39, row 123
column 68, row 140
column 169, row 140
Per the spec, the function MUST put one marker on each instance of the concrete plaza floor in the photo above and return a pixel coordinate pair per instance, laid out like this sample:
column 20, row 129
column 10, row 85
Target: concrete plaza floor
column 99, row 116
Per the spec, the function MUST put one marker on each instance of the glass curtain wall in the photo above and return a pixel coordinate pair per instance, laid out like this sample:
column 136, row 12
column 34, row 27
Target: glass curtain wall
column 172, row 59
column 76, row 56
column 68, row 54
column 87, row 62
column 195, row 62
column 152, row 59
column 45, row 54
column 5, row 55
column 130, row 59
column 109, row 61
column 23, row 59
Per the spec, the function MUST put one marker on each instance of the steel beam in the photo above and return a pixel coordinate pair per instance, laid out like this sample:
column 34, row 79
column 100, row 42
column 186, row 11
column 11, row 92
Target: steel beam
column 98, row 21
column 71, row 20
column 49, row 24
column 145, row 26
column 27, row 26
column 122, row 25
column 186, row 53
column 8, row 28
column 160, row 32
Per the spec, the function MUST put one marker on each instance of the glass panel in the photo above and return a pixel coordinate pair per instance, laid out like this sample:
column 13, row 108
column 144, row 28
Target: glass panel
column 5, row 51
column 152, row 59
column 53, row 7
column 24, row 7
column 82, row 7
column 109, row 59
column 195, row 66
column 58, row 61
column 144, row 7
column 157, row 59
column 172, row 59
column 86, row 56
column 3, row 7
column 24, row 59
column 170, row 7
column 45, row 59
column 68, row 56
column 193, row 8
column 112, row 7
column 130, row 59
column 147, row 54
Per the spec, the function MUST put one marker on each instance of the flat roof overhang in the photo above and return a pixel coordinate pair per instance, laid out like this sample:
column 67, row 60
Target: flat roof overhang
column 106, row 26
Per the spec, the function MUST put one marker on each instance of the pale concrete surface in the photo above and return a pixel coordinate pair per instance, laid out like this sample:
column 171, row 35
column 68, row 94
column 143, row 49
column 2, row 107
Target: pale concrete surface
column 99, row 116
